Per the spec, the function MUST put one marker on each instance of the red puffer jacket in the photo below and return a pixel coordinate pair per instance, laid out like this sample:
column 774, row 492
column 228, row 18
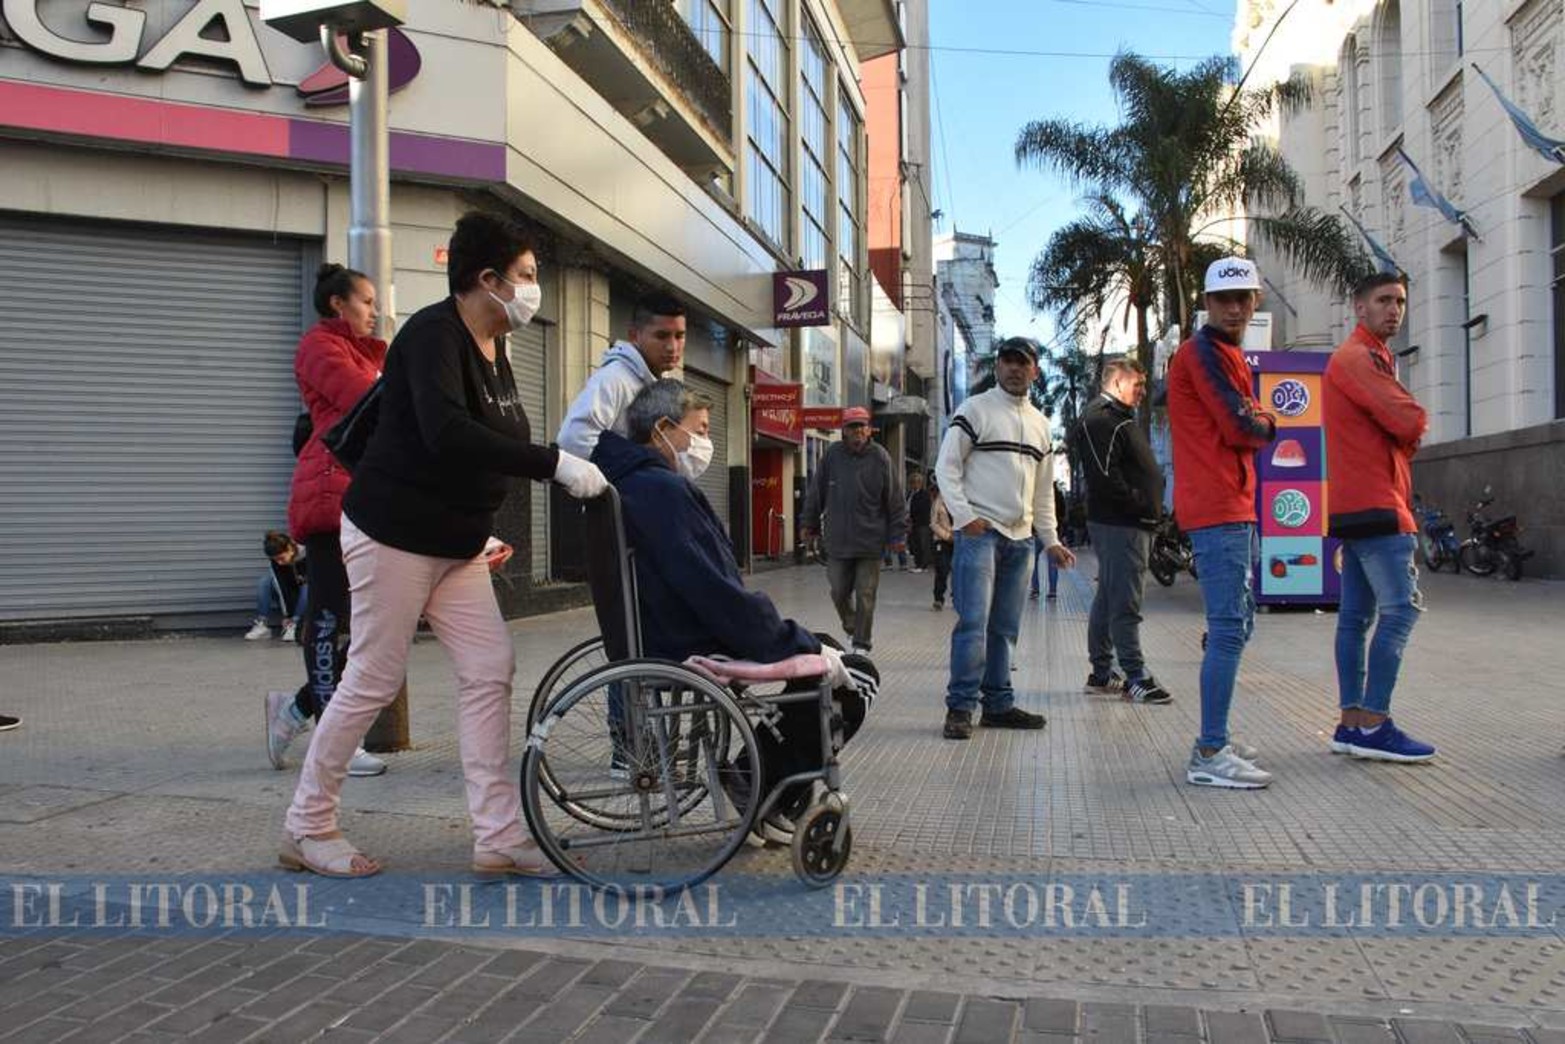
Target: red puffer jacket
column 1217, row 426
column 334, row 369
column 1373, row 427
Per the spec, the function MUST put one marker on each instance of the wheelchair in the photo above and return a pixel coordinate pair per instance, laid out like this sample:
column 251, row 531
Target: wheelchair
column 647, row 774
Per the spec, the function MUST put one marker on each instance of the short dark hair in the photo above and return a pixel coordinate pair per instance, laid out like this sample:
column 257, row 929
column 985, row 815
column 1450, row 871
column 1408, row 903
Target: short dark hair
column 1370, row 283
column 275, row 542
column 481, row 242
column 1121, row 364
column 652, row 306
column 333, row 280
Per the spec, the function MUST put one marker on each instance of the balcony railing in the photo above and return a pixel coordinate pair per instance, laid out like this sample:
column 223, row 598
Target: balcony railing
column 677, row 52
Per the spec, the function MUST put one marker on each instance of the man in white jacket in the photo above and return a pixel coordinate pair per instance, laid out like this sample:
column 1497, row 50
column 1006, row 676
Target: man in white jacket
column 996, row 473
column 656, row 347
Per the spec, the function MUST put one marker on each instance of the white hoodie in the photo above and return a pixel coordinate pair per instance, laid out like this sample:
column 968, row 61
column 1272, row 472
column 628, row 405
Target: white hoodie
column 997, row 463
column 600, row 405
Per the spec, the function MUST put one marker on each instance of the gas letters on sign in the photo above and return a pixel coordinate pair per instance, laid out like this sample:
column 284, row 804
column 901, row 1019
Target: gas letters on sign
column 234, row 41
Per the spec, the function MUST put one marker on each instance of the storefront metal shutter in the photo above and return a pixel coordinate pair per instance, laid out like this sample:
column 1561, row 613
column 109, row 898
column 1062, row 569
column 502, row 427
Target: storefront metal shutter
column 147, row 402
column 529, row 362
column 715, row 482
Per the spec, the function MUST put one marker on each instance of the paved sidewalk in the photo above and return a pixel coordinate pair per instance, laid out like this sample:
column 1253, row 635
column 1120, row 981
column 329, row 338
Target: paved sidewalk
column 146, row 759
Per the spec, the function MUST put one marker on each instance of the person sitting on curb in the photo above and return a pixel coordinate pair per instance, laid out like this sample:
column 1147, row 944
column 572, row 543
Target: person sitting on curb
column 282, row 587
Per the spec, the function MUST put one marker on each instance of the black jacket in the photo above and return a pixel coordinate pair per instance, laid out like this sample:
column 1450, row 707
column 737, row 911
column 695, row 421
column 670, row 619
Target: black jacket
column 1124, row 482
column 450, row 438
column 689, row 591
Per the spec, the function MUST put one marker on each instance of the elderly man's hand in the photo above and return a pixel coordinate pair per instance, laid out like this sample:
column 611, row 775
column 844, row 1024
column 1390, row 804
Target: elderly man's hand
column 977, row 527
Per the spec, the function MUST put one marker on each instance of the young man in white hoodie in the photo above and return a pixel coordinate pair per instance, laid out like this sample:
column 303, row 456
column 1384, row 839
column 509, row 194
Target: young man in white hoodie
column 656, row 347
column 996, row 473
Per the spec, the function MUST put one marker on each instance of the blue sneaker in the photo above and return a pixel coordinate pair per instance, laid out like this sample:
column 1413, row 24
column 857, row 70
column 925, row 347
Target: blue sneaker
column 1388, row 743
column 1342, row 739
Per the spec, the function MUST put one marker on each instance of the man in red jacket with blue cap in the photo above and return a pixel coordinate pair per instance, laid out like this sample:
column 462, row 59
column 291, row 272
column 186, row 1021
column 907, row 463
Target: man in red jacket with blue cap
column 1217, row 426
column 1373, row 428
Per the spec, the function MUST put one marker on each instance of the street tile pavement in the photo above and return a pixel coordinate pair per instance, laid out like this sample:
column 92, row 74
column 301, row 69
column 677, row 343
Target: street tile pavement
column 146, row 758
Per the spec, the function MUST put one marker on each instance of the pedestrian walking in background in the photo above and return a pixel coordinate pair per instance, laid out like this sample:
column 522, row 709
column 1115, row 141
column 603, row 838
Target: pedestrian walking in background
column 337, row 360
column 996, row 473
column 1039, row 556
column 855, row 500
column 1124, row 504
column 919, row 505
column 1373, row 428
column 1217, row 426
column 655, row 346
column 450, row 438
column 280, row 589
column 940, row 531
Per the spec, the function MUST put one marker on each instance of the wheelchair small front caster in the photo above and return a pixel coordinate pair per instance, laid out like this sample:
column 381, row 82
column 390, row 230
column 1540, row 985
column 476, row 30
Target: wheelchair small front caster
column 822, row 842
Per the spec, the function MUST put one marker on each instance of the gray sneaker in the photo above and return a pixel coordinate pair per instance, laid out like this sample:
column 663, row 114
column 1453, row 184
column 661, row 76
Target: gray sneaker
column 365, row 764
column 283, row 723
column 1225, row 768
column 1244, row 750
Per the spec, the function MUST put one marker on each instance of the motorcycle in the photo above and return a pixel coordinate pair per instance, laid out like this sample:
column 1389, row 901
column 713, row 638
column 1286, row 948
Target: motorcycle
column 1171, row 552
column 1437, row 537
column 1493, row 545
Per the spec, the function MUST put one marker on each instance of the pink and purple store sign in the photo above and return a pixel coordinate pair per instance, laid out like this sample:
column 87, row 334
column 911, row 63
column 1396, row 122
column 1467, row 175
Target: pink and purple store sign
column 1299, row 564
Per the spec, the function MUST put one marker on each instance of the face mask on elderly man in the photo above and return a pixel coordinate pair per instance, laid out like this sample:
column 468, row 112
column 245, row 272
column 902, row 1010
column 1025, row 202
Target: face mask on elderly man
column 692, row 461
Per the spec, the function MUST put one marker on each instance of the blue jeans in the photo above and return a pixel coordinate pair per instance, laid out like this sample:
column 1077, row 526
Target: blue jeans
column 1224, row 556
column 1378, row 577
column 988, row 589
column 267, row 599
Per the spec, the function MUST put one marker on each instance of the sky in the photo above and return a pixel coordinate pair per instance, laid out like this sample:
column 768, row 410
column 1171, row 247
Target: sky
column 999, row 64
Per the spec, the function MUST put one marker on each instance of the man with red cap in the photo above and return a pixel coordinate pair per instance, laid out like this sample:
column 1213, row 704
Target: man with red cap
column 856, row 491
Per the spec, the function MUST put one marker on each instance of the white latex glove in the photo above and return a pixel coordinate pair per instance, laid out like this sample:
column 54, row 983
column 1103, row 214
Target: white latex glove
column 581, row 478
column 836, row 673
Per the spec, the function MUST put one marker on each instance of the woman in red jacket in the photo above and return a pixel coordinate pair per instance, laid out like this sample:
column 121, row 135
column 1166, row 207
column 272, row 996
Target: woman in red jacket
column 335, row 365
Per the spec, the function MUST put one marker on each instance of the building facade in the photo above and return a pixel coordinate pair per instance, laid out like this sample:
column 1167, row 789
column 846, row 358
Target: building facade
column 1400, row 86
column 175, row 172
column 966, row 283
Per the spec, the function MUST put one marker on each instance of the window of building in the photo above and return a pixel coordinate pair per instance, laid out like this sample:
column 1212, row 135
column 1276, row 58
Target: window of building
column 848, row 164
column 709, row 20
column 1445, row 34
column 1348, row 98
column 766, row 97
column 815, row 132
column 1388, row 62
column 1557, row 290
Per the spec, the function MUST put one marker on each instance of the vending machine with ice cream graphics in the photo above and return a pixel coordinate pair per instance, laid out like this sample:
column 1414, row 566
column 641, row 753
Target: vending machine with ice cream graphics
column 1299, row 564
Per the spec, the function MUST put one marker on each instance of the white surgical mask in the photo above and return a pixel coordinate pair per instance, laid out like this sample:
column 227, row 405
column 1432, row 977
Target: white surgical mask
column 523, row 305
column 692, row 461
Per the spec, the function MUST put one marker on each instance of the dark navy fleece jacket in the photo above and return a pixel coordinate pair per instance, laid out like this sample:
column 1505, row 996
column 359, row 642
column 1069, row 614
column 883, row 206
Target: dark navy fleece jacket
column 692, row 599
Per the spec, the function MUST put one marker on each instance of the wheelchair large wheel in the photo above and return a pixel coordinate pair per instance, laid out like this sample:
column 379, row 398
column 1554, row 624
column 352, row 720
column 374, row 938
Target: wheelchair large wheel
column 690, row 793
column 578, row 660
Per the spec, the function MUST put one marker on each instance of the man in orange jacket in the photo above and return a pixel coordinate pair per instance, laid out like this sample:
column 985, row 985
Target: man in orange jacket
column 1217, row 426
column 1373, row 427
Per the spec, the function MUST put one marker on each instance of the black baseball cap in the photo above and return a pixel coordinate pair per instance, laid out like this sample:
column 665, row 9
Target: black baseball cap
column 1019, row 346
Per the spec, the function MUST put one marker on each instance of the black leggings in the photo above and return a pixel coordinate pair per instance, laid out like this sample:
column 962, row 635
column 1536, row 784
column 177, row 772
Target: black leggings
column 326, row 626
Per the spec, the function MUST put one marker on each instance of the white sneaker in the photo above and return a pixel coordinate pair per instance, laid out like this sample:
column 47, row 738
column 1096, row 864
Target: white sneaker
column 1225, row 769
column 365, row 764
column 283, row 723
column 288, row 631
column 258, row 630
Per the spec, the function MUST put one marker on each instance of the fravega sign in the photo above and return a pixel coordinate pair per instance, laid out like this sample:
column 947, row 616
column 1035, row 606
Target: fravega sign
column 213, row 29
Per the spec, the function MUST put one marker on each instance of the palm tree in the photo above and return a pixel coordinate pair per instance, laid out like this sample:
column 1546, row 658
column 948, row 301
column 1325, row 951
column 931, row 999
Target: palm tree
column 1183, row 160
column 1093, row 260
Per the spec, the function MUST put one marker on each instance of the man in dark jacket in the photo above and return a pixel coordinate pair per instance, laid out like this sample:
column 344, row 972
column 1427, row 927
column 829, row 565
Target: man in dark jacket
column 1124, row 501
column 855, row 489
column 691, row 598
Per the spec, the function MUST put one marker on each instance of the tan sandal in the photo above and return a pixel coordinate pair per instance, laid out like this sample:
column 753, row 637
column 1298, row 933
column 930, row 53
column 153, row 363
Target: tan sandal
column 328, row 857
column 523, row 860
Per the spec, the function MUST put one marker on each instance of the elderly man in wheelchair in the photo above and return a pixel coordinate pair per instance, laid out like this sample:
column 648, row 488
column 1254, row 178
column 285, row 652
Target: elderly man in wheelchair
column 659, row 748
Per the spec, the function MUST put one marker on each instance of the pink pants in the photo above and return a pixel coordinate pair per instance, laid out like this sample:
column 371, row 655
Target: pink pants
column 390, row 589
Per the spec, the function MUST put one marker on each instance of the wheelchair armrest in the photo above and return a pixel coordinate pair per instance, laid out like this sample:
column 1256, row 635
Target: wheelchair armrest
column 804, row 665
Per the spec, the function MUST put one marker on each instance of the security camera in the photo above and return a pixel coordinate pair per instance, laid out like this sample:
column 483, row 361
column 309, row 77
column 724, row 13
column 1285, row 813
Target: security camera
column 303, row 19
